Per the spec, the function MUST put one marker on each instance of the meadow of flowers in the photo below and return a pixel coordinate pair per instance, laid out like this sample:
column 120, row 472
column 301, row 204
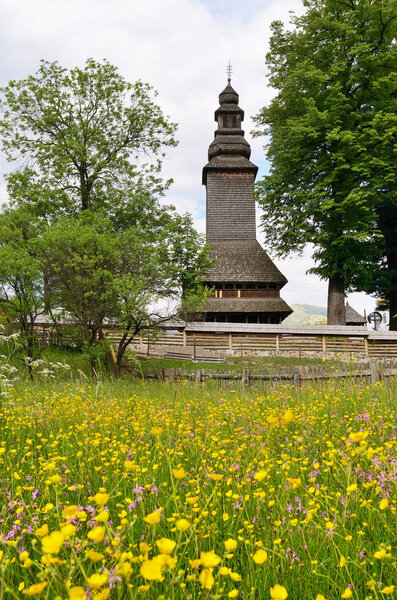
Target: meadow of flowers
column 188, row 494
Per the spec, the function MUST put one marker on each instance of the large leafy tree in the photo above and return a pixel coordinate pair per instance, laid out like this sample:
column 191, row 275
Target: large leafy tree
column 332, row 130
column 88, row 147
column 87, row 137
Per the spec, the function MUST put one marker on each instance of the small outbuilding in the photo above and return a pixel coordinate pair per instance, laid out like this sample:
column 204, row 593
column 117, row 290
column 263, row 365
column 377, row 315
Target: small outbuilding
column 353, row 318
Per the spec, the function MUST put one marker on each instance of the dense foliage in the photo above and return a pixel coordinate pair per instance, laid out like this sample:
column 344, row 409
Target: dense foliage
column 85, row 222
column 332, row 130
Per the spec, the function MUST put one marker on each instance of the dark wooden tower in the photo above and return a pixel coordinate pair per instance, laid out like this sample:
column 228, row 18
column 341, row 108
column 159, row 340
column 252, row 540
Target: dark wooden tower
column 245, row 280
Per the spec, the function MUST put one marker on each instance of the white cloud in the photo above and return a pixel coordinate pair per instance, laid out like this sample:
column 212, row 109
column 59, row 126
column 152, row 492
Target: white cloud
column 181, row 47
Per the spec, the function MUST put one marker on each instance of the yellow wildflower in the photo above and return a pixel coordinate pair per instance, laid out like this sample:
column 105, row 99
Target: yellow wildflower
column 151, row 570
column 287, row 418
column 152, row 518
column 195, row 564
column 70, row 512
column 384, row 503
column 77, row 593
column 278, row 592
column 209, row 559
column 35, row 589
column 359, row 436
column 97, row 534
column 43, row 530
column 342, row 561
column 165, row 545
column 179, row 473
column 182, row 524
column 94, row 556
column 52, row 544
column 294, row 482
column 389, row 589
column 68, row 530
column 380, row 554
column 347, row 593
column 97, row 580
column 156, row 430
column 230, row 545
column 101, row 498
column 260, row 557
column 206, row 579
column 102, row 517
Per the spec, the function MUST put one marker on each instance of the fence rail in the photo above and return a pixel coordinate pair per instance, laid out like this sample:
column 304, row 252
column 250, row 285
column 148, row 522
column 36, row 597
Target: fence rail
column 374, row 372
column 305, row 341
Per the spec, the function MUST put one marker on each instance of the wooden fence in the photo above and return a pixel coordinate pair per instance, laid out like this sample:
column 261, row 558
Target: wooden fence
column 278, row 339
column 372, row 372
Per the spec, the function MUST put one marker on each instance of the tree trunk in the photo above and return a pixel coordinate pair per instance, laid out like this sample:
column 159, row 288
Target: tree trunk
column 393, row 310
column 336, row 314
column 391, row 257
column 47, row 305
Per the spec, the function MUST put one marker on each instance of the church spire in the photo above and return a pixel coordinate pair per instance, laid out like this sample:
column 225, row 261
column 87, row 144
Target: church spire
column 229, row 152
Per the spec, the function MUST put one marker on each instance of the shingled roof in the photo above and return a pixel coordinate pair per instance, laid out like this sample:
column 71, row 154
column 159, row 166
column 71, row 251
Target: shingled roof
column 352, row 316
column 246, row 305
column 243, row 261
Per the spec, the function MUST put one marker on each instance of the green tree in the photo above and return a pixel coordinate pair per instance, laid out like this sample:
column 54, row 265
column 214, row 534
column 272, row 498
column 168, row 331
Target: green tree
column 91, row 146
column 91, row 139
column 21, row 282
column 332, row 135
column 106, row 279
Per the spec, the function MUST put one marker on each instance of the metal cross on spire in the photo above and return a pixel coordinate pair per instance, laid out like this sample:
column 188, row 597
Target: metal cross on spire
column 229, row 71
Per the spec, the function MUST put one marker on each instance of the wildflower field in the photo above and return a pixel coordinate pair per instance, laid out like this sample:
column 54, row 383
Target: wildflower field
column 184, row 493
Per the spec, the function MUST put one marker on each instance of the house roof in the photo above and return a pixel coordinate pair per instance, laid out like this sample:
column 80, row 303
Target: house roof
column 246, row 305
column 352, row 316
column 243, row 262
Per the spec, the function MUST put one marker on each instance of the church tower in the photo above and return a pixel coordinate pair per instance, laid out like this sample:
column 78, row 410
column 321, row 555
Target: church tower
column 245, row 280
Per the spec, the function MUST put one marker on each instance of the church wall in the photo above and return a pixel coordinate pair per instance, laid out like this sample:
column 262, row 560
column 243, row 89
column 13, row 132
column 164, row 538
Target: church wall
column 230, row 207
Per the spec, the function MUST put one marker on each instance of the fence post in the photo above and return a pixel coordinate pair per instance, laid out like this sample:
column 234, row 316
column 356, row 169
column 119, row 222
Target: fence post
column 184, row 338
column 245, row 378
column 297, row 376
column 375, row 374
column 277, row 344
column 194, row 348
column 366, row 346
column 198, row 377
column 324, row 344
column 230, row 342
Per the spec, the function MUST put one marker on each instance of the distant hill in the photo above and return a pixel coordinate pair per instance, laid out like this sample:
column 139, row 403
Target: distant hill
column 306, row 314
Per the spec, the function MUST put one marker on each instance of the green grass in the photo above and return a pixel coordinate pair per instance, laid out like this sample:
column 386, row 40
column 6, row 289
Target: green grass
column 282, row 471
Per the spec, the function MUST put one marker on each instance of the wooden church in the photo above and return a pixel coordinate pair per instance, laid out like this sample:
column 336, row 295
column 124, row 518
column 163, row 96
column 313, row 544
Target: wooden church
column 245, row 280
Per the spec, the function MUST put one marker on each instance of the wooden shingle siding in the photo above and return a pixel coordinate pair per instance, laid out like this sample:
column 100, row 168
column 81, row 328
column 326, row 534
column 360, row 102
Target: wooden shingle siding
column 230, row 207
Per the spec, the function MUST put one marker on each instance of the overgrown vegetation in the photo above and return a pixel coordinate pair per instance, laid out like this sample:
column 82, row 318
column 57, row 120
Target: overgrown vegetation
column 160, row 491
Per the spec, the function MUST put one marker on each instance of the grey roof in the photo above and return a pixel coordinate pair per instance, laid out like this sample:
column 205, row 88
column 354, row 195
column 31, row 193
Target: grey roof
column 246, row 305
column 228, row 96
column 352, row 316
column 243, row 262
column 310, row 330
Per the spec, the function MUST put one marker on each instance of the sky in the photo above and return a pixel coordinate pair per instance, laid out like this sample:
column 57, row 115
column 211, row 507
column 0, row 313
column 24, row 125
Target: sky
column 181, row 48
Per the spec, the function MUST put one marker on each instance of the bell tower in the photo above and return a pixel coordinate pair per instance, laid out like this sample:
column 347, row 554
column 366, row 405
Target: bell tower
column 245, row 280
